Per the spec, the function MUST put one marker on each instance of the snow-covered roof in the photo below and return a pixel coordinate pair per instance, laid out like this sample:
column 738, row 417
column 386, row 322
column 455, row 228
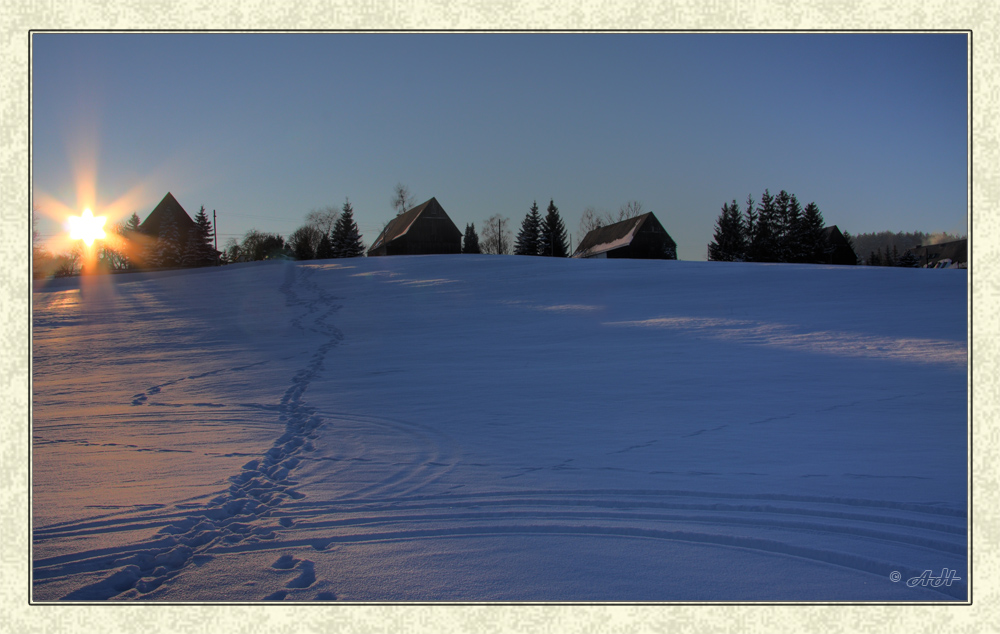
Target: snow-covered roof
column 613, row 236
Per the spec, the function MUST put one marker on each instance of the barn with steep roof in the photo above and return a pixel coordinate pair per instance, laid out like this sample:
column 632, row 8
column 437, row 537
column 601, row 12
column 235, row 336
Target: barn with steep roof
column 167, row 208
column 641, row 237
column 426, row 229
column 836, row 248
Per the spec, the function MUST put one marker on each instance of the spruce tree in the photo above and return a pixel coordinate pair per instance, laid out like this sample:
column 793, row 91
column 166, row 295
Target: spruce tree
column 909, row 260
column 812, row 234
column 787, row 215
column 729, row 244
column 780, row 228
column 795, row 247
column 324, row 250
column 553, row 234
column 763, row 247
column 529, row 237
column 887, row 259
column 133, row 222
column 470, row 242
column 346, row 241
column 199, row 250
column 130, row 246
column 749, row 229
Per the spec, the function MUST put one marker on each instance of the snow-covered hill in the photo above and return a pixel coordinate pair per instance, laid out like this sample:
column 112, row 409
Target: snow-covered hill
column 480, row 428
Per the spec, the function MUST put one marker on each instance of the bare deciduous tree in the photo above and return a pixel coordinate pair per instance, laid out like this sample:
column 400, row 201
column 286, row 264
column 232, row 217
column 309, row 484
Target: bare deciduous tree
column 323, row 219
column 496, row 237
column 594, row 219
column 630, row 209
column 402, row 199
column 590, row 219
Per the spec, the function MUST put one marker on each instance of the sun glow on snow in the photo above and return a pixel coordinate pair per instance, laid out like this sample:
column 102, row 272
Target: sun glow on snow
column 86, row 227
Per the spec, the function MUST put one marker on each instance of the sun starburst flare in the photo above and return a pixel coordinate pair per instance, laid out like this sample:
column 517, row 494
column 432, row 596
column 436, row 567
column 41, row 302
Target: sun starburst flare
column 86, row 227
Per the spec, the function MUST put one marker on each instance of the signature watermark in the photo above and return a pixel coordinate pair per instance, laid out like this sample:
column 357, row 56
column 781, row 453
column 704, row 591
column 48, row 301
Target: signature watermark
column 927, row 579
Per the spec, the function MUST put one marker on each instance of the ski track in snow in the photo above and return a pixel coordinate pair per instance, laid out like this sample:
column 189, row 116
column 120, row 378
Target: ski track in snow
column 262, row 504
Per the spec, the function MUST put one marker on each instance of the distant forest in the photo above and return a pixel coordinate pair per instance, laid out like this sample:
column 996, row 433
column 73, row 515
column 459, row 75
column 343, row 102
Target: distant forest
column 886, row 242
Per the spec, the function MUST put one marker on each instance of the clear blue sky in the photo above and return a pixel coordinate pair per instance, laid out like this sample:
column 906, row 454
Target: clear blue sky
column 264, row 127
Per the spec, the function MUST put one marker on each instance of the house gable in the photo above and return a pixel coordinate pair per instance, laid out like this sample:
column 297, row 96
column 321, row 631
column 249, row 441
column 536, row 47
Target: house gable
column 425, row 229
column 167, row 208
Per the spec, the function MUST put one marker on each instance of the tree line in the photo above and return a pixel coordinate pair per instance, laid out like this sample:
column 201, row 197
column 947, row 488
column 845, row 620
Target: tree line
column 776, row 229
column 887, row 248
column 538, row 235
column 327, row 233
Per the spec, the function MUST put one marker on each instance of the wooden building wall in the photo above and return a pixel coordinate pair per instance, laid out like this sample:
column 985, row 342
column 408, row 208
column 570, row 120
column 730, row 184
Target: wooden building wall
column 651, row 242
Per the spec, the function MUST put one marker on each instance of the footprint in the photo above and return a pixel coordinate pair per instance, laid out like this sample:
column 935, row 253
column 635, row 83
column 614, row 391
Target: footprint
column 276, row 596
column 326, row 596
column 285, row 562
column 306, row 577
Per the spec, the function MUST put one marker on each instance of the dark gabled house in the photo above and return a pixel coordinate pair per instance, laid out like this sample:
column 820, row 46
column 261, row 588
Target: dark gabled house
column 836, row 248
column 641, row 237
column 168, row 207
column 424, row 230
column 954, row 254
column 149, row 249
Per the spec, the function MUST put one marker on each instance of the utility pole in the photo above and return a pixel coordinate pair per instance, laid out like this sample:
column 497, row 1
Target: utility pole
column 215, row 232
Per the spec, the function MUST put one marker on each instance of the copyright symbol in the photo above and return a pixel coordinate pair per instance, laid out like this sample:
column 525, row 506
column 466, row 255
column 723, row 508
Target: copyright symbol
column 895, row 576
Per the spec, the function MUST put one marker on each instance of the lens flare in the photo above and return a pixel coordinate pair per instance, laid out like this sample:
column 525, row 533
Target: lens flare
column 86, row 227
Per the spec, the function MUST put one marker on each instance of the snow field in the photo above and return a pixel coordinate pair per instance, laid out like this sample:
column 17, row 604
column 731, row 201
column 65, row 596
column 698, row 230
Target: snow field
column 454, row 428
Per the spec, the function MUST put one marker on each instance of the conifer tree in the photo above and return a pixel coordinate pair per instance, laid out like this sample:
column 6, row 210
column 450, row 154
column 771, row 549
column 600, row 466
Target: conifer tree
column 812, row 234
column 470, row 242
column 780, row 224
column 199, row 250
column 324, row 250
column 346, row 241
column 133, row 222
column 763, row 247
column 553, row 234
column 529, row 237
column 909, row 260
column 128, row 252
column 749, row 228
column 795, row 240
column 729, row 244
column 787, row 215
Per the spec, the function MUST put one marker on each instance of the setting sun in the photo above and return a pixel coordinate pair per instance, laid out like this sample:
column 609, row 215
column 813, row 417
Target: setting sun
column 86, row 227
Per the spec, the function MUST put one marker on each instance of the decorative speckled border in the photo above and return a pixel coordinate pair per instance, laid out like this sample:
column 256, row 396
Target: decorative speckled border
column 19, row 17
